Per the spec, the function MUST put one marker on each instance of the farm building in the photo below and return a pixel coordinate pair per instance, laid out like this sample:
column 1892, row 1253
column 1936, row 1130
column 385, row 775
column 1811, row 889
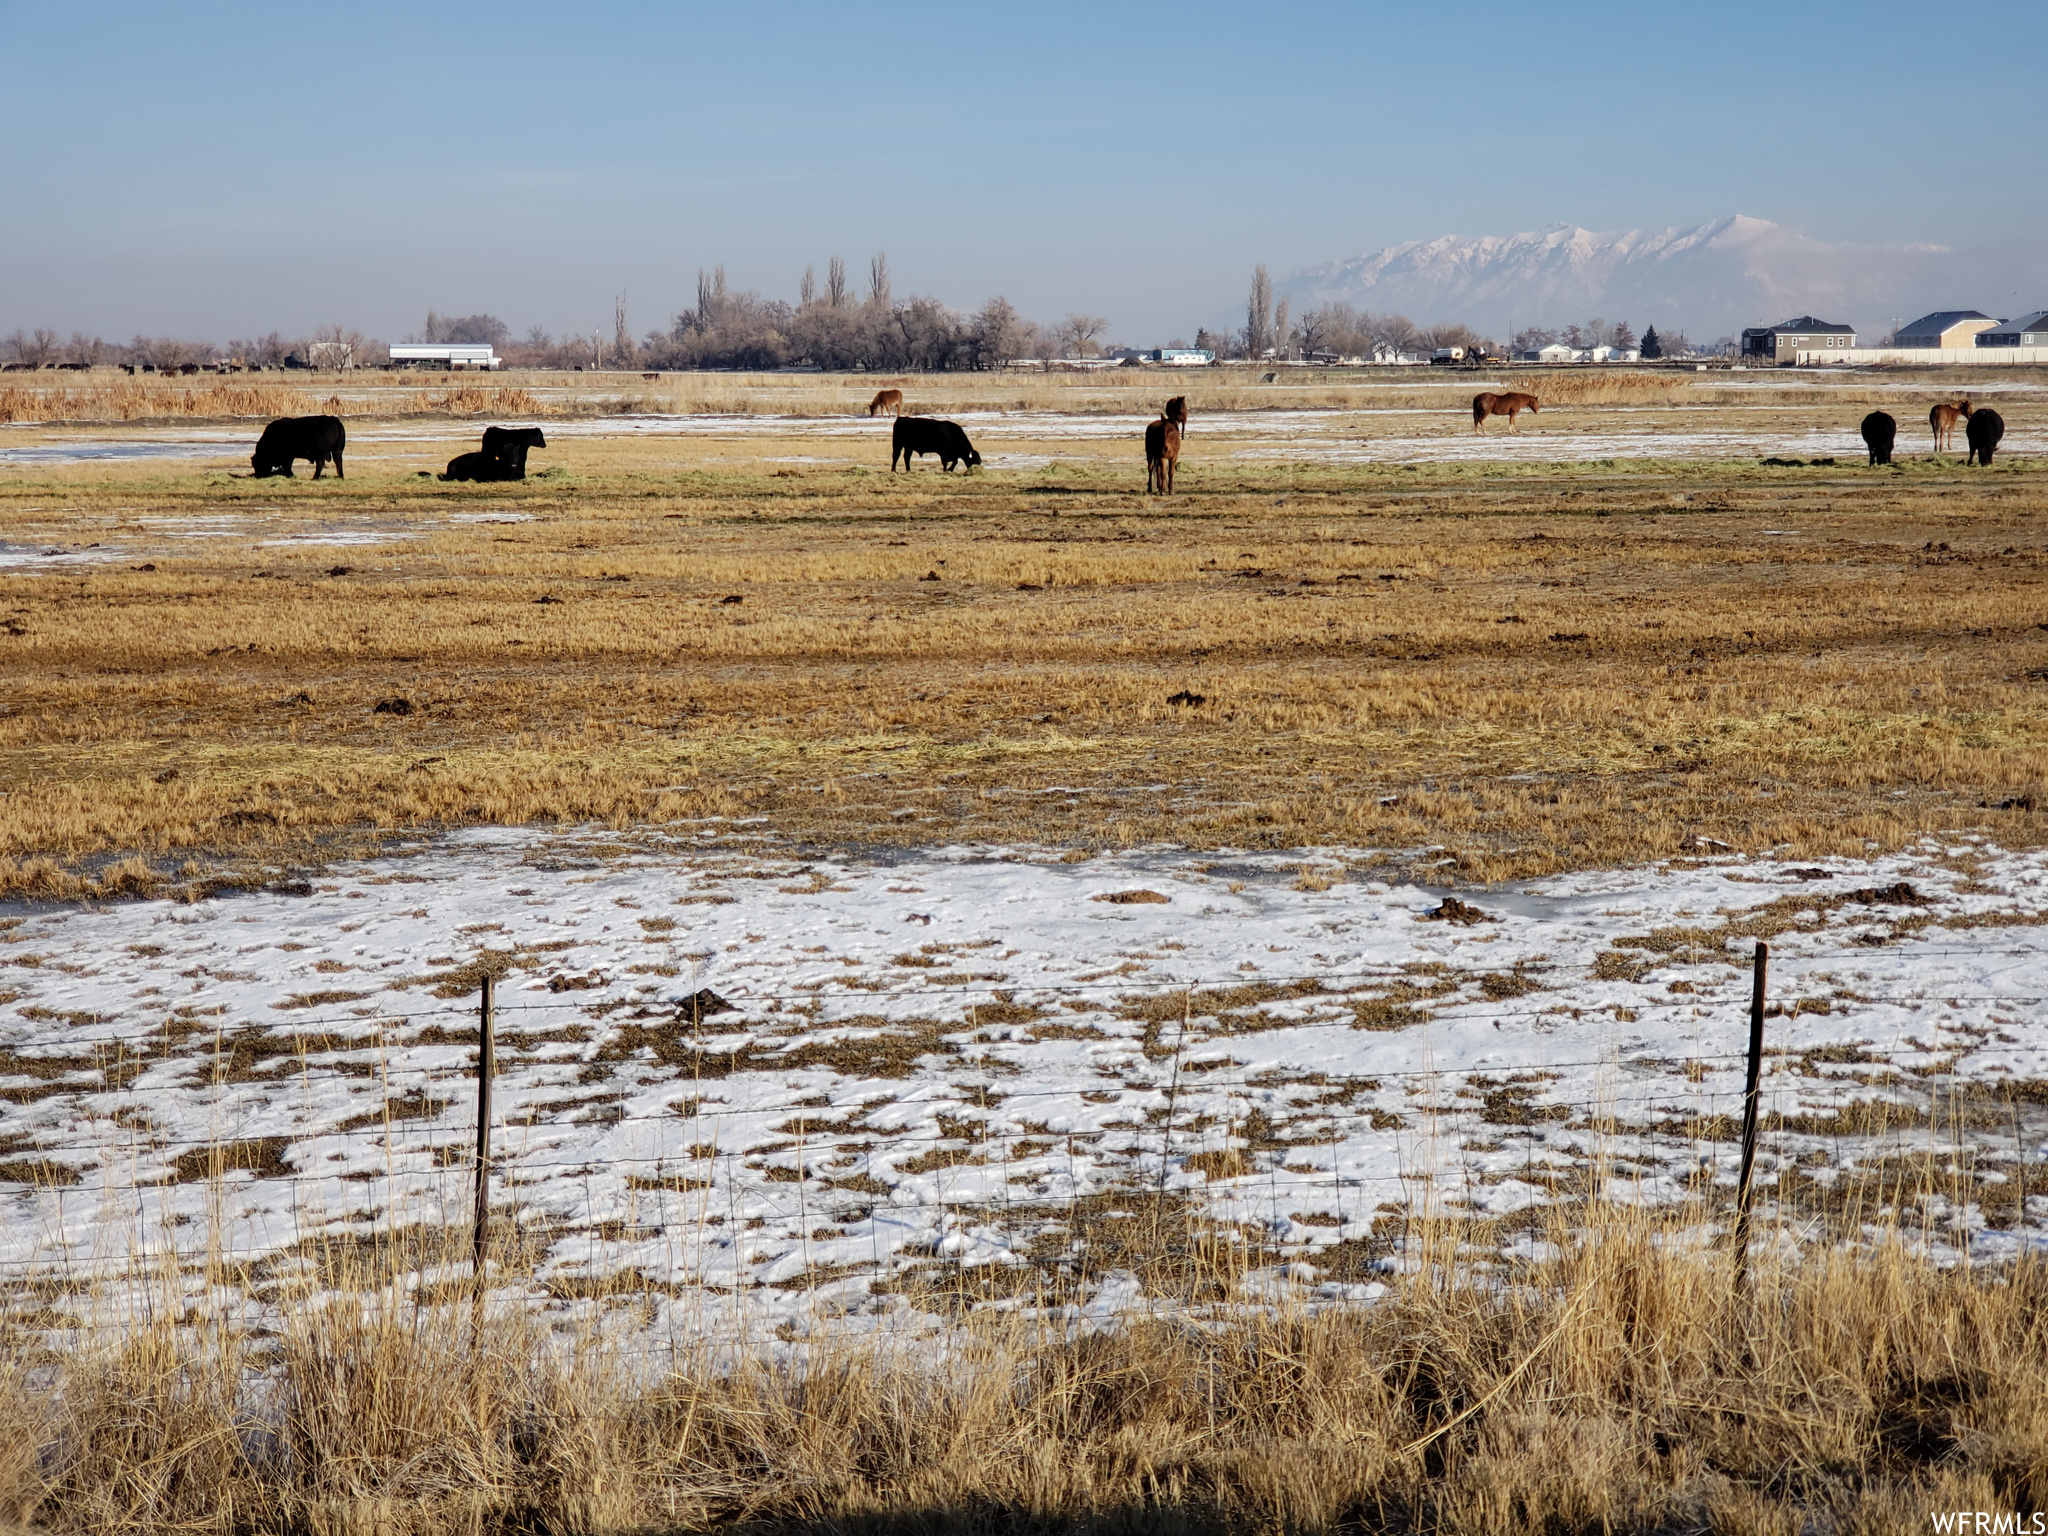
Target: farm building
column 1944, row 328
column 445, row 354
column 1182, row 357
column 2027, row 331
column 1780, row 345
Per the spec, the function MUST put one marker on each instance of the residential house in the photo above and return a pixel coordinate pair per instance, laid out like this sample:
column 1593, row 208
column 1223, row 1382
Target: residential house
column 1944, row 328
column 2027, row 331
column 1780, row 345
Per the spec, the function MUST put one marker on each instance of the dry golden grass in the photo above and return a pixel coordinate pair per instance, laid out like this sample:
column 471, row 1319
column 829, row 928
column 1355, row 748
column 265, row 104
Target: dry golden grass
column 1534, row 667
column 1616, row 1386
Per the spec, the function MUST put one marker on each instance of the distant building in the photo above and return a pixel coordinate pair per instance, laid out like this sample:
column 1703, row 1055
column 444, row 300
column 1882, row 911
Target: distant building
column 2027, row 331
column 1780, row 345
column 1182, row 357
column 446, row 354
column 1944, row 328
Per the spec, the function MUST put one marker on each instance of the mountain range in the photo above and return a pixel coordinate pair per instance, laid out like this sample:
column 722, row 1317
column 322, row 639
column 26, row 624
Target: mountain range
column 1706, row 281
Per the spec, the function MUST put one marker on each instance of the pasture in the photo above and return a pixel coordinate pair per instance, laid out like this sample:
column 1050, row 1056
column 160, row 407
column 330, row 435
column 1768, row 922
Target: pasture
column 1552, row 651
column 1317, row 900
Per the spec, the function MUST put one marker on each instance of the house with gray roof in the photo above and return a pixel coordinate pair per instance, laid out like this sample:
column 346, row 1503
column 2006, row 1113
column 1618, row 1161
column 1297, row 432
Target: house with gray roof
column 2027, row 331
column 1944, row 328
column 1780, row 345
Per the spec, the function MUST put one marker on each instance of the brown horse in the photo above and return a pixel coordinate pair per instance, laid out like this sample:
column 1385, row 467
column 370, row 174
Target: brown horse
column 1509, row 406
column 1943, row 419
column 890, row 400
column 1162, row 455
column 1177, row 411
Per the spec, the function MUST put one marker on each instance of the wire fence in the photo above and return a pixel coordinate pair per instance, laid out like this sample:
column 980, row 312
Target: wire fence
column 939, row 1160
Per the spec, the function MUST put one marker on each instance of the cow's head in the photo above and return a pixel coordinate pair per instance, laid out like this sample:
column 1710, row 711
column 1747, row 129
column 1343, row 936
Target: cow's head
column 265, row 468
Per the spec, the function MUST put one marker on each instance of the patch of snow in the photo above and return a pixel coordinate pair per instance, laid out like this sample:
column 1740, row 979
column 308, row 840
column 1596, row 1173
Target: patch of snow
column 929, row 1057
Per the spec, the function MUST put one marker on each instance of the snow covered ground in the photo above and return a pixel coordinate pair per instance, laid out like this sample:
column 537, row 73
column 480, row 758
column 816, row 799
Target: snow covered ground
column 976, row 1057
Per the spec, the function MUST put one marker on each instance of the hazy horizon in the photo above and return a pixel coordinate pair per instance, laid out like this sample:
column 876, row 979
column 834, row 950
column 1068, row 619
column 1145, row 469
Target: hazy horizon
column 230, row 170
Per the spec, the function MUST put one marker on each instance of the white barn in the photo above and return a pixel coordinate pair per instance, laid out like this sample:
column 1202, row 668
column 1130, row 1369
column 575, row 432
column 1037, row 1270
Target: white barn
column 446, row 354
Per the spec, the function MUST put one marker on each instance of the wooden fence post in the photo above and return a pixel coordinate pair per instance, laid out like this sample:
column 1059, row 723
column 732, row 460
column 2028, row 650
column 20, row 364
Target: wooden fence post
column 1750, row 1103
column 486, row 1068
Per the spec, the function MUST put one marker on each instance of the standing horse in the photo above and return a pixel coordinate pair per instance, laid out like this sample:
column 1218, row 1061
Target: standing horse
column 1943, row 419
column 1177, row 411
column 1509, row 406
column 1162, row 455
column 890, row 400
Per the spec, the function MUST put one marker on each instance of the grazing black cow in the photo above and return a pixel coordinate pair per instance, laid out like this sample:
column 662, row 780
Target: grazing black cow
column 923, row 434
column 482, row 466
column 1880, row 430
column 316, row 439
column 1984, row 431
column 509, row 445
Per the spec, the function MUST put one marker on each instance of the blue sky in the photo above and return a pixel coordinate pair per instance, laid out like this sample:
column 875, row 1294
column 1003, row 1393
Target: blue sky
column 219, row 170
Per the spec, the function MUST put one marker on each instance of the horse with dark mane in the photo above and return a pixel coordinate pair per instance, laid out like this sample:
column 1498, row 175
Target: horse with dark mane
column 890, row 400
column 1162, row 454
column 1177, row 411
column 1943, row 419
column 1510, row 406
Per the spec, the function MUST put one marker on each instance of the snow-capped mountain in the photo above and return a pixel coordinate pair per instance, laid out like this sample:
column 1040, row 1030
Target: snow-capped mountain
column 1707, row 280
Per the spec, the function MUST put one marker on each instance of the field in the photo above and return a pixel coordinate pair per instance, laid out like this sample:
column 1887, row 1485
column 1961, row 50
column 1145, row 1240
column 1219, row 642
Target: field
column 1219, row 1009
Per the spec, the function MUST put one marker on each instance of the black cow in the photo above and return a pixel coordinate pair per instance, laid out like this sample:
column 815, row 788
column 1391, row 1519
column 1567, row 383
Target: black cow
column 482, row 466
column 1880, row 430
column 503, row 456
column 315, row 439
column 509, row 446
column 1984, row 431
column 923, row 434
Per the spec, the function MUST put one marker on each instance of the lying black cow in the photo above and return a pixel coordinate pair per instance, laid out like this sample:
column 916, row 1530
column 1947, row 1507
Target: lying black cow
column 315, row 439
column 482, row 466
column 1984, row 431
column 923, row 434
column 1880, row 431
column 503, row 456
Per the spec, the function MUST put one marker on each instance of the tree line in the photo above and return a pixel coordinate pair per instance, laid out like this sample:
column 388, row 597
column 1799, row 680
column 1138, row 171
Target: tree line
column 832, row 327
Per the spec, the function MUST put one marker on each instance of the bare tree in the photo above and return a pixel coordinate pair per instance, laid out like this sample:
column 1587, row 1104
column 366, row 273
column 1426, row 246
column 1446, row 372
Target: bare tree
column 1258, row 328
column 622, row 338
column 835, row 283
column 1078, row 332
column 1314, row 331
column 34, row 348
column 998, row 337
column 807, row 294
column 1280, row 326
column 710, row 297
column 89, row 350
column 1395, row 331
column 878, row 280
